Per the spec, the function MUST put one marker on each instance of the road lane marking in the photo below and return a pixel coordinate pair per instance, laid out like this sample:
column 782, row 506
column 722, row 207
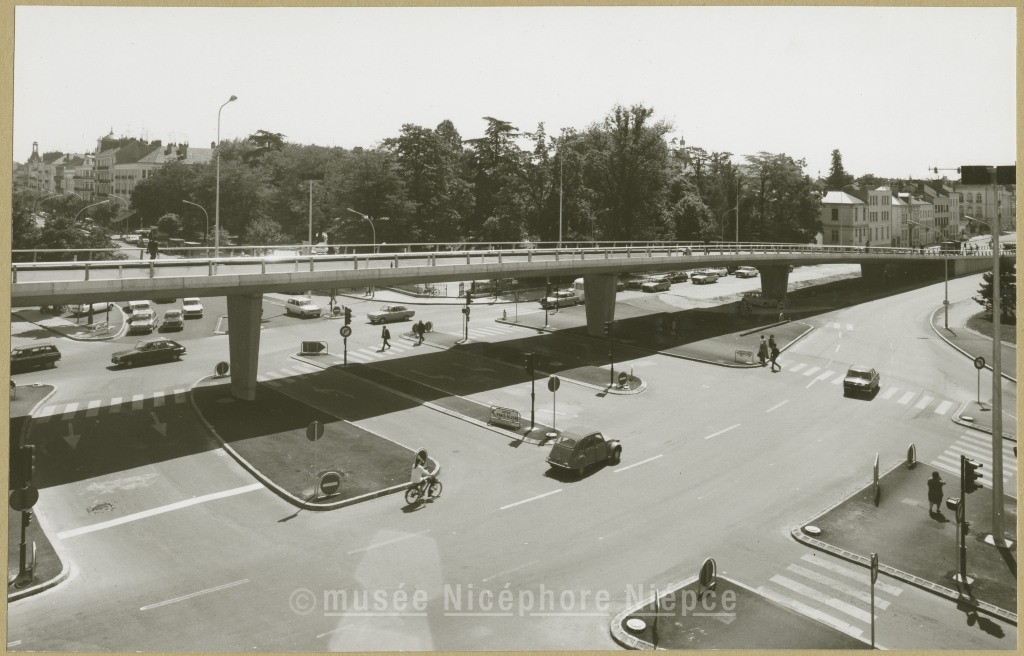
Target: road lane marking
column 822, row 598
column 888, row 394
column 539, row 496
column 839, row 586
column 943, row 407
column 923, row 403
column 115, row 405
column 158, row 399
column 179, row 396
column 987, row 444
column 797, row 368
column 94, row 408
column 905, row 399
column 813, row 613
column 849, row 327
column 386, row 543
column 724, row 430
column 45, row 413
column 636, row 464
column 810, row 372
column 851, row 574
column 69, row 411
column 159, row 510
column 837, row 347
column 838, row 380
column 273, row 375
column 821, row 376
column 305, row 368
column 13, row 644
column 194, row 594
column 777, row 406
column 137, row 401
column 509, row 571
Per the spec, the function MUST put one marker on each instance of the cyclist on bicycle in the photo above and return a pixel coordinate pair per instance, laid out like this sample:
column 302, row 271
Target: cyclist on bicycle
column 420, row 477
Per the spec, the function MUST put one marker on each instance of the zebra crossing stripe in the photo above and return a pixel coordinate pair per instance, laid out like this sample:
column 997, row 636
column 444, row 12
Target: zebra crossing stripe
column 889, row 393
column 824, row 375
column 137, row 401
column 821, row 597
column 289, row 372
column 813, row 613
column 970, row 439
column 923, row 403
column 838, row 380
column 272, row 375
column 93, row 408
column 860, row 577
column 905, row 399
column 47, row 411
column 158, row 399
column 69, row 411
column 943, row 407
column 849, row 326
column 839, row 586
column 978, row 453
column 811, row 371
column 797, row 368
column 115, row 405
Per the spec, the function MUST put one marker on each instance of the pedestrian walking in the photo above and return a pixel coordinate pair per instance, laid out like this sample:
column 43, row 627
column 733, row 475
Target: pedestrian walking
column 153, row 248
column 935, row 484
column 773, row 352
column 762, row 351
column 420, row 329
column 385, row 335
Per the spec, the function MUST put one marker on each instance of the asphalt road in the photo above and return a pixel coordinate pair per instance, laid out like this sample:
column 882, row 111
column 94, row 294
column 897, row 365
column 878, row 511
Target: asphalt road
column 716, row 462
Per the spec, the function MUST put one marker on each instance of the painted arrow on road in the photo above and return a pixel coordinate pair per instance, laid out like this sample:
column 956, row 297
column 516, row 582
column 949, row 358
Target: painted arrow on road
column 429, row 376
column 71, row 438
column 462, row 366
column 160, row 428
column 329, row 391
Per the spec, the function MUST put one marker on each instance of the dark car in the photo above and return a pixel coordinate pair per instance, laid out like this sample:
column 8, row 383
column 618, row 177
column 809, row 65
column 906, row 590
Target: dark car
column 24, row 358
column 147, row 352
column 678, row 276
column 861, row 380
column 577, row 449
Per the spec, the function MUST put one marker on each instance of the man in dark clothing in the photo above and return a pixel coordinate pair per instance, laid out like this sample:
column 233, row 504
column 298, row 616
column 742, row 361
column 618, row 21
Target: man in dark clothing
column 386, row 335
column 762, row 351
column 420, row 329
column 935, row 484
column 773, row 352
column 153, row 248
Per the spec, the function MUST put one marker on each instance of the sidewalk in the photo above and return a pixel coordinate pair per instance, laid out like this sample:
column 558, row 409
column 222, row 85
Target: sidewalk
column 979, row 418
column 919, row 547
column 49, row 568
column 970, row 343
column 67, row 325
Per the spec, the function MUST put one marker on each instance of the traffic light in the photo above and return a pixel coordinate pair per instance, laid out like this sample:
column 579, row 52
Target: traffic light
column 348, row 315
column 28, row 464
column 607, row 328
column 529, row 364
column 972, row 475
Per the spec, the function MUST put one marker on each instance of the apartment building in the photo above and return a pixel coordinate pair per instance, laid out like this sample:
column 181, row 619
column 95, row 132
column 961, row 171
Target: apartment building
column 843, row 219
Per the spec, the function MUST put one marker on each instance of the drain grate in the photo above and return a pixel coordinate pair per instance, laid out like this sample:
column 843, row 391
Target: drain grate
column 100, row 508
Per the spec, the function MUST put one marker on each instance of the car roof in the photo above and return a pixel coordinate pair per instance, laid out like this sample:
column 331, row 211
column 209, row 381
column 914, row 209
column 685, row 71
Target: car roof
column 190, row 300
column 578, row 433
column 31, row 346
column 861, row 367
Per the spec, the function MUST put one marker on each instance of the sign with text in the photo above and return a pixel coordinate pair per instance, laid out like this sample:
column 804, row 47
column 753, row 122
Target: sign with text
column 505, row 417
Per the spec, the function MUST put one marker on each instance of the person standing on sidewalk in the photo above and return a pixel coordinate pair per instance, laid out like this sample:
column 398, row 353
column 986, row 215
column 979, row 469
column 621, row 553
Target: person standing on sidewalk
column 420, row 329
column 762, row 351
column 935, row 484
column 773, row 350
column 385, row 335
column 153, row 248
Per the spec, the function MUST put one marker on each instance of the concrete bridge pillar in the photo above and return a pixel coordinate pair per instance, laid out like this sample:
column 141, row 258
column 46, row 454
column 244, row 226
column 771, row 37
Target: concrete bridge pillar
column 244, row 313
column 774, row 280
column 873, row 274
column 599, row 289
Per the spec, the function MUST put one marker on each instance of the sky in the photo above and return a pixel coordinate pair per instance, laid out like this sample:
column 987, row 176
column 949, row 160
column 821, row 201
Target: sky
column 896, row 90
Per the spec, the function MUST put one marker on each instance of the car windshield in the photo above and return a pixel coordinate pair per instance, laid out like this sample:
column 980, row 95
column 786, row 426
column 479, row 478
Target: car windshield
column 191, row 301
column 565, row 440
column 865, row 375
column 172, row 314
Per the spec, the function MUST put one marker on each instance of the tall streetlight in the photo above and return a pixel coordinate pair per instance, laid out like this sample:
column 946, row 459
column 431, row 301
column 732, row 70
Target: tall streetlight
column 126, row 206
column 592, row 219
column 216, row 211
column 371, row 225
column 206, row 234
column 35, row 205
column 560, row 179
column 87, row 207
column 311, row 179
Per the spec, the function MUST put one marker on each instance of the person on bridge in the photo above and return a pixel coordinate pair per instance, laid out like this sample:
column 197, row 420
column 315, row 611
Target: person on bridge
column 935, row 484
column 153, row 248
column 386, row 335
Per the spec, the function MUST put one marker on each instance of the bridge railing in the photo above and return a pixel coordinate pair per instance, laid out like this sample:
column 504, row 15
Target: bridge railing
column 83, row 270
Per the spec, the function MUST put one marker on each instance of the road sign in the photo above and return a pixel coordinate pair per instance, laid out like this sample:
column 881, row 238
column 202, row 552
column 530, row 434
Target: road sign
column 506, row 417
column 553, row 383
column 313, row 348
column 222, row 368
column 346, row 331
column 874, row 567
column 314, row 431
column 979, row 363
column 24, row 498
column 330, row 483
column 708, row 574
column 429, row 326
column 623, row 378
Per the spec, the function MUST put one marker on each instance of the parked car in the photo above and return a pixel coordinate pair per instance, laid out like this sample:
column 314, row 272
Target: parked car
column 134, row 307
column 660, row 284
column 861, row 379
column 753, row 300
column 24, row 358
column 165, row 300
column 302, row 307
column 746, row 272
column 703, row 278
column 191, row 307
column 83, row 309
column 142, row 322
column 577, row 449
column 678, row 276
column 720, row 272
column 173, row 320
column 620, row 286
column 389, row 313
column 148, row 352
column 560, row 299
column 636, row 283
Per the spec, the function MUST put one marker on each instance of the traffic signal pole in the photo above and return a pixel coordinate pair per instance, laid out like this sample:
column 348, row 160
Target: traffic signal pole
column 998, row 536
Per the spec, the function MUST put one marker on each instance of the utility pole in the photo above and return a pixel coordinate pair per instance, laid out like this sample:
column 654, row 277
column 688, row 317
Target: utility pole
column 560, row 179
column 998, row 537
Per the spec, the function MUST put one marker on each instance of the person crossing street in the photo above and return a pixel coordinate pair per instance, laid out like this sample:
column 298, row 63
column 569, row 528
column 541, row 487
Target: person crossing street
column 773, row 352
column 385, row 335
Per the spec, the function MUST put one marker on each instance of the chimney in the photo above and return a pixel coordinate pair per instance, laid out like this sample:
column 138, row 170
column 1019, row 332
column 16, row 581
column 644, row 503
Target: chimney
column 213, row 145
column 167, row 151
column 157, row 143
column 182, row 151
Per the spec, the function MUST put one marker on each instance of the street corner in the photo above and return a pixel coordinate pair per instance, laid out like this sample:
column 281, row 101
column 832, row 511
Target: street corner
column 724, row 614
column 978, row 416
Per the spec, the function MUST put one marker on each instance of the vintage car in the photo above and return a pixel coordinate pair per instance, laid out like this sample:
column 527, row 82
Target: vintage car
column 703, row 278
column 678, row 276
column 142, row 322
column 389, row 313
column 758, row 300
column 577, row 449
column 24, row 358
column 155, row 350
column 560, row 299
column 173, row 320
column 861, row 379
column 302, row 307
column 83, row 309
column 134, row 307
column 191, row 307
column 658, row 284
column 745, row 272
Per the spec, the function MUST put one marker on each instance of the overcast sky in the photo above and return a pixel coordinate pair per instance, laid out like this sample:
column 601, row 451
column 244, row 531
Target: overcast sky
column 897, row 90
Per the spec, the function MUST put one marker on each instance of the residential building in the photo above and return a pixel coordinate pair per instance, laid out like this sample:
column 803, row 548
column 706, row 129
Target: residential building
column 843, row 219
column 983, row 202
column 900, row 220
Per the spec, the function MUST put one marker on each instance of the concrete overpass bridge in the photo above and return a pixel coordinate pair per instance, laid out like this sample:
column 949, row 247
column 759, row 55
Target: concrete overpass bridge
column 244, row 278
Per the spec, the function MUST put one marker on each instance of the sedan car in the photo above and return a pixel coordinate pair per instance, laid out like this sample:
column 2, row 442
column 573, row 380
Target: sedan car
column 83, row 309
column 173, row 320
column 577, row 449
column 191, row 307
column 559, row 300
column 135, row 307
column 302, row 307
column 142, row 322
column 678, row 276
column 156, row 350
column 703, row 278
column 24, row 358
column 746, row 272
column 861, row 379
column 659, row 285
column 389, row 313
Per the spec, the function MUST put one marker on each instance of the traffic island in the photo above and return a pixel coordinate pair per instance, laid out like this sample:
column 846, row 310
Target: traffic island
column 732, row 616
column 920, row 547
column 979, row 417
column 102, row 326
column 268, row 436
column 970, row 343
column 49, row 569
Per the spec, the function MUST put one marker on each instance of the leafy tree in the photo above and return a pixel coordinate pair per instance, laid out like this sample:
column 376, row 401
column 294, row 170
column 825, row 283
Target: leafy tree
column 785, row 207
column 496, row 165
column 163, row 192
column 170, row 225
column 264, row 142
column 24, row 230
column 264, row 231
column 837, row 175
column 871, row 180
column 61, row 233
column 1007, row 290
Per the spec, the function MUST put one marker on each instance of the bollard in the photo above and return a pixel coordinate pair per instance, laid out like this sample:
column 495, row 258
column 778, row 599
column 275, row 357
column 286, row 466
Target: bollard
column 529, row 256
column 151, row 269
column 311, row 264
column 396, row 261
column 87, row 271
column 120, row 271
column 210, row 272
column 263, row 265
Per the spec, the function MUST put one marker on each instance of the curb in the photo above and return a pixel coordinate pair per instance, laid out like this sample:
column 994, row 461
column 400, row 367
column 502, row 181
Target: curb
column 65, row 570
column 120, row 331
column 931, row 321
column 278, row 490
column 956, row 418
column 426, row 404
column 797, row 533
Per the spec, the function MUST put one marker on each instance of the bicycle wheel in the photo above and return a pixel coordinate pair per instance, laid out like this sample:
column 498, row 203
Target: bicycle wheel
column 412, row 495
column 434, row 490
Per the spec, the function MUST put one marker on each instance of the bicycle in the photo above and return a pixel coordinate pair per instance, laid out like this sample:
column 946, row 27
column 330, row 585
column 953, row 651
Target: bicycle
column 415, row 493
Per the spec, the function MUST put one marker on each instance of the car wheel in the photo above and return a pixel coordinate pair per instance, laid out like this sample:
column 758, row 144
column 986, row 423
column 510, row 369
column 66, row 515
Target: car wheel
column 51, row 365
column 128, row 364
column 580, row 471
column 616, row 456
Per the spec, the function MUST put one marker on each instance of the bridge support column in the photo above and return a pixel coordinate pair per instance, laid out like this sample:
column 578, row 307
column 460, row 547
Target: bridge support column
column 774, row 280
column 244, row 313
column 599, row 289
column 873, row 275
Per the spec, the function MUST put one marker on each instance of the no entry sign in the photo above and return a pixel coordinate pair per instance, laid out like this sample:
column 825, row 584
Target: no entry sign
column 330, row 483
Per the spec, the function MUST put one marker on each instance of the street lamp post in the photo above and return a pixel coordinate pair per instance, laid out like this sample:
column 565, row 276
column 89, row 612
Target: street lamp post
column 593, row 217
column 87, row 207
column 998, row 537
column 216, row 211
column 945, row 278
column 371, row 225
column 206, row 234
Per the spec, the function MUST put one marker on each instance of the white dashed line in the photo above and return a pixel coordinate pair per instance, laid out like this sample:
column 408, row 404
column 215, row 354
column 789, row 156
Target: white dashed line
column 724, row 430
column 636, row 464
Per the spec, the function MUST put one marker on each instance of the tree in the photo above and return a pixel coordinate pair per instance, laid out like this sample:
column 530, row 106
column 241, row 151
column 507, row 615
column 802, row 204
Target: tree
column 163, row 192
column 24, row 230
column 871, row 180
column 1007, row 290
column 837, row 175
column 786, row 206
column 62, row 234
column 262, row 230
column 264, row 142
column 169, row 224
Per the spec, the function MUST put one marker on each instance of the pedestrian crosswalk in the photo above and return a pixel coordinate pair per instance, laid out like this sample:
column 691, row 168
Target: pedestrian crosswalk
column 496, row 330
column 285, row 375
column 371, row 354
column 977, row 447
column 93, row 407
column 835, row 594
column 919, row 400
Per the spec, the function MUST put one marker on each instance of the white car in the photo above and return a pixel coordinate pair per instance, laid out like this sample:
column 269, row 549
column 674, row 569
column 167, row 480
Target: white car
column 746, row 272
column 191, row 307
column 703, row 278
column 142, row 322
column 390, row 313
column 302, row 307
column 560, row 299
column 656, row 285
column 83, row 309
column 135, row 307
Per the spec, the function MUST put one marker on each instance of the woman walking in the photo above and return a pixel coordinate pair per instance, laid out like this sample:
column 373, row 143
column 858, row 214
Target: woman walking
column 935, row 493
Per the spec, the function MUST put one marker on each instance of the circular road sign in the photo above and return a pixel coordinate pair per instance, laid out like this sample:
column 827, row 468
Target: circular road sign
column 330, row 483
column 314, row 431
column 911, row 457
column 979, row 362
column 429, row 326
column 623, row 378
column 708, row 573
column 222, row 368
column 346, row 331
column 874, row 567
column 24, row 498
column 553, row 383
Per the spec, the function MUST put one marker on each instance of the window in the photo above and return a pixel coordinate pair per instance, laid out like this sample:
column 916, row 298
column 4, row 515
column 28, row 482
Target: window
column 977, row 199
column 835, row 213
column 835, row 235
